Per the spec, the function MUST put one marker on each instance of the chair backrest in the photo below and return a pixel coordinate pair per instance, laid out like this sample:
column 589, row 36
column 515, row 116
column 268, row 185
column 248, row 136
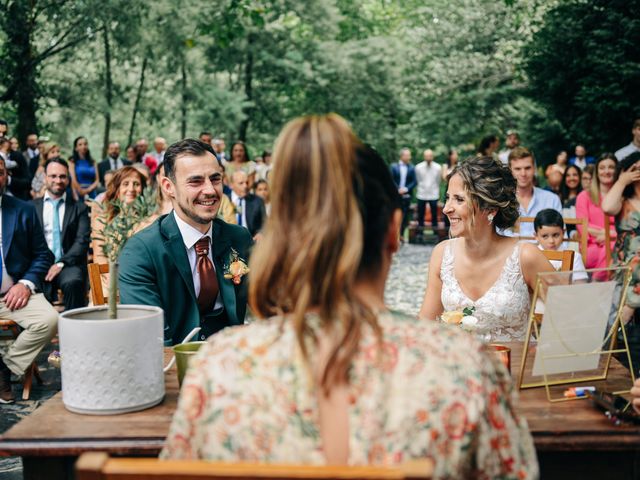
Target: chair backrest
column 95, row 282
column 580, row 239
column 98, row 466
column 565, row 256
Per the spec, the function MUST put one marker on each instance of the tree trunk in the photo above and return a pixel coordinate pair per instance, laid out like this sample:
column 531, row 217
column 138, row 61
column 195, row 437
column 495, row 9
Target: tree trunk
column 22, row 68
column 248, row 90
column 183, row 124
column 108, row 92
column 136, row 105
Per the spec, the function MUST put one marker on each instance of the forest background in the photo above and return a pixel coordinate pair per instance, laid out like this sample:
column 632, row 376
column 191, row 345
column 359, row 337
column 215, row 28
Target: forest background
column 420, row 73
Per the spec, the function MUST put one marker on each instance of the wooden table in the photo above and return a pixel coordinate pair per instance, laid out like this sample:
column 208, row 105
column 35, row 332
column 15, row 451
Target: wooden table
column 573, row 439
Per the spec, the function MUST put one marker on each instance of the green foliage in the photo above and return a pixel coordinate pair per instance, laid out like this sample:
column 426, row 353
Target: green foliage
column 420, row 73
column 584, row 66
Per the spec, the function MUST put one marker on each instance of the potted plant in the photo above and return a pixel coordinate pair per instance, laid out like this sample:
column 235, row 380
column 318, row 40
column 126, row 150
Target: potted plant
column 112, row 356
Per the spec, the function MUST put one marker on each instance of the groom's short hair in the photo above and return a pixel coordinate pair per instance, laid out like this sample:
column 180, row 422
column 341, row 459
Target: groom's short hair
column 189, row 146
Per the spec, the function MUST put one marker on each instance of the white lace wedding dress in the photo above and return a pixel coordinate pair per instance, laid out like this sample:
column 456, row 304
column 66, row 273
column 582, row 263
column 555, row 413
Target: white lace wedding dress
column 503, row 311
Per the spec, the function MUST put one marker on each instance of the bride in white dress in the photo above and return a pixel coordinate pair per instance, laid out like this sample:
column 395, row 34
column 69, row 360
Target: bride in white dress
column 479, row 267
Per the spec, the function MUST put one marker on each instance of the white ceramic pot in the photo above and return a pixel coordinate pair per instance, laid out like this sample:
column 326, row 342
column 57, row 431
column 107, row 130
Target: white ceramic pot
column 111, row 366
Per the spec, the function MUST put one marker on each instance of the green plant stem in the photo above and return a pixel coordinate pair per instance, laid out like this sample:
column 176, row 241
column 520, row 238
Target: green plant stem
column 113, row 290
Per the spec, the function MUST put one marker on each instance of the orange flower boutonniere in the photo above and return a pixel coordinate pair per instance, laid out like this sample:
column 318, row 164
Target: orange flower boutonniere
column 236, row 268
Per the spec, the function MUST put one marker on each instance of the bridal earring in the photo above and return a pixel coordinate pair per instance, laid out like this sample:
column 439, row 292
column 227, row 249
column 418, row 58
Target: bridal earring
column 490, row 217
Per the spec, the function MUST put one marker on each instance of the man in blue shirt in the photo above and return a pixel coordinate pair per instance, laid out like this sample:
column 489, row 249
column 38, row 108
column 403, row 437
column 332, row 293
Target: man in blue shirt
column 404, row 176
column 531, row 198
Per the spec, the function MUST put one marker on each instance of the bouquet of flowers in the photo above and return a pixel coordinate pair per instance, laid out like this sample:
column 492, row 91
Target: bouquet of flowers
column 464, row 318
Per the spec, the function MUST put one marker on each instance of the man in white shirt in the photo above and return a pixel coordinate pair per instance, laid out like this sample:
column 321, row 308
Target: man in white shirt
column 428, row 177
column 66, row 230
column 112, row 163
column 531, row 198
column 25, row 260
column 182, row 262
column 634, row 146
column 250, row 211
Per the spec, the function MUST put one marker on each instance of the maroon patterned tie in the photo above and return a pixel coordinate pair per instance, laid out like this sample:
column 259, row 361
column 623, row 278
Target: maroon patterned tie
column 208, row 281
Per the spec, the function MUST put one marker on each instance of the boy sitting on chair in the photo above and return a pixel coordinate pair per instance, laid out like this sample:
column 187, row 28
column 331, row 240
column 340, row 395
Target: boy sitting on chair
column 550, row 234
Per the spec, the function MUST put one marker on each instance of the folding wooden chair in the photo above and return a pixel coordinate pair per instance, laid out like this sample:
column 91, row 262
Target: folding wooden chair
column 96, row 270
column 98, row 466
column 32, row 371
column 565, row 256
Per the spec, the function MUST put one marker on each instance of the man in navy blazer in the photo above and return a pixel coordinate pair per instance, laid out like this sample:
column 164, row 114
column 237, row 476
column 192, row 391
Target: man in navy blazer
column 404, row 176
column 25, row 261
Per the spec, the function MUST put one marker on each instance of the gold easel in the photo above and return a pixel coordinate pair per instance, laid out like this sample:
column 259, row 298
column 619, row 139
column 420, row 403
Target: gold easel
column 550, row 279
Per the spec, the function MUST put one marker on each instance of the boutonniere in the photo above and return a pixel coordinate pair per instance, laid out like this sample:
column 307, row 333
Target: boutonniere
column 236, row 268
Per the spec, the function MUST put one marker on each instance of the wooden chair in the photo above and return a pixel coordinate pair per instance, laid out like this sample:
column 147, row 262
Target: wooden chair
column 32, row 371
column 581, row 239
column 96, row 270
column 565, row 256
column 98, row 466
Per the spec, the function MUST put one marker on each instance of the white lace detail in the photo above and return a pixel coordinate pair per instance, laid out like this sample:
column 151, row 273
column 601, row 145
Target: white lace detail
column 503, row 311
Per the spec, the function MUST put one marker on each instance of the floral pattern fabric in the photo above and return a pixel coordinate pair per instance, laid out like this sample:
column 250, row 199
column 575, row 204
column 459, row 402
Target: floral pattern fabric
column 435, row 392
column 627, row 249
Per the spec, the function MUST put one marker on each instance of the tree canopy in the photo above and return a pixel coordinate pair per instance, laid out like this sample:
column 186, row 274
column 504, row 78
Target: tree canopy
column 419, row 73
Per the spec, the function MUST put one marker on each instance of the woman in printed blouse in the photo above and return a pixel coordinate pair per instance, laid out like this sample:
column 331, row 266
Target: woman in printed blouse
column 333, row 377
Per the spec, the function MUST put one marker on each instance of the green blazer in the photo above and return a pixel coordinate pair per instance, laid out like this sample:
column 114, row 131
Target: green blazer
column 154, row 270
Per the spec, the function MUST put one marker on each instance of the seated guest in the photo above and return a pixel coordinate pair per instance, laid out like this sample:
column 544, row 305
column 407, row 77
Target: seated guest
column 32, row 153
column 126, row 185
column 261, row 189
column 19, row 179
column 333, row 377
column 25, row 261
column 48, row 151
column 570, row 186
column 113, row 162
column 588, row 206
column 550, row 234
column 531, row 198
column 250, row 212
column 186, row 262
column 66, row 229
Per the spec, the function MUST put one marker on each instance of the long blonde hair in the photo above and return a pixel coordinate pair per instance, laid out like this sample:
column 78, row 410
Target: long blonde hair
column 315, row 266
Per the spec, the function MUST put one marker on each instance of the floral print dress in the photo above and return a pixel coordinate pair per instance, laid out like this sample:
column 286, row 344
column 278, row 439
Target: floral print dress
column 627, row 249
column 435, row 392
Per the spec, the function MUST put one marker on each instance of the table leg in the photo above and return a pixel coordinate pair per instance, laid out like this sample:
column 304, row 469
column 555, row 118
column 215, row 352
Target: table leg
column 49, row 468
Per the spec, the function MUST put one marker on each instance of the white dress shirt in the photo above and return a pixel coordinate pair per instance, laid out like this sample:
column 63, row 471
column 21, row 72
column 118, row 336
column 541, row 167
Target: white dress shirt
column 32, row 153
column 47, row 218
column 241, row 206
column 190, row 236
column 428, row 178
column 115, row 163
column 404, row 169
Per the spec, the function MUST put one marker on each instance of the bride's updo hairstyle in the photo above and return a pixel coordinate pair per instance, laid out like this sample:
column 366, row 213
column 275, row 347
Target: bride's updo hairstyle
column 489, row 186
column 332, row 201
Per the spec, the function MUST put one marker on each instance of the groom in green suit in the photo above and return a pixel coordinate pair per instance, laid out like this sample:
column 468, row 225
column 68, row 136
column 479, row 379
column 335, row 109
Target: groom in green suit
column 189, row 262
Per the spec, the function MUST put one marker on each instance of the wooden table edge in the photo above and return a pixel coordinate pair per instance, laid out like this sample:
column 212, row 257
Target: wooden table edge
column 70, row 447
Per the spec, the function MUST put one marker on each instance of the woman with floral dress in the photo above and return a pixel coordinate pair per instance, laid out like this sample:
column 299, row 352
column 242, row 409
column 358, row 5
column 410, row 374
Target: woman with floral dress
column 333, row 376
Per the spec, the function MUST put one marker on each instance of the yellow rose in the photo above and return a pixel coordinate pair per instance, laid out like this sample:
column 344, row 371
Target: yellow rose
column 454, row 317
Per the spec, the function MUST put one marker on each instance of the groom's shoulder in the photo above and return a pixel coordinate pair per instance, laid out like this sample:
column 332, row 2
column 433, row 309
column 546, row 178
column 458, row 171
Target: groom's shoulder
column 233, row 232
